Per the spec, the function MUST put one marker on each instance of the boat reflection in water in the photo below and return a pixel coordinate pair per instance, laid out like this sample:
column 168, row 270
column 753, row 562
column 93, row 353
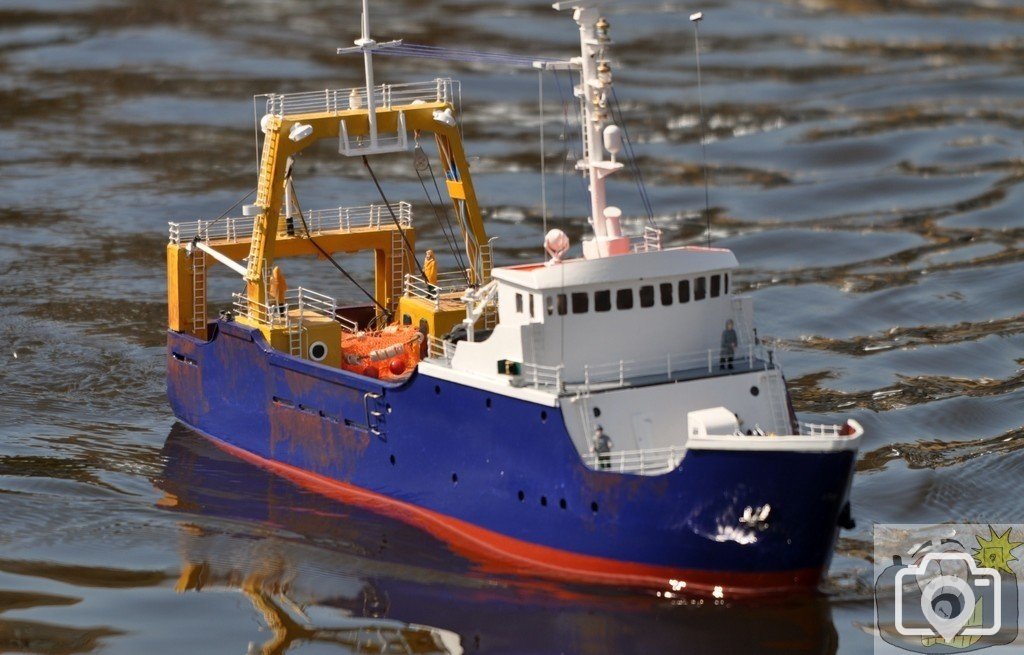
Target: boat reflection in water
column 320, row 571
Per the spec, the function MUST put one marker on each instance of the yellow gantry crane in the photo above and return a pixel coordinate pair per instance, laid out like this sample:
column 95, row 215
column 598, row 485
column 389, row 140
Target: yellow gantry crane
column 292, row 124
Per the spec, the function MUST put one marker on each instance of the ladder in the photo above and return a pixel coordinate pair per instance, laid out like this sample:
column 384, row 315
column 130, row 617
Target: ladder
column 486, row 264
column 199, row 293
column 397, row 267
column 295, row 333
column 777, row 400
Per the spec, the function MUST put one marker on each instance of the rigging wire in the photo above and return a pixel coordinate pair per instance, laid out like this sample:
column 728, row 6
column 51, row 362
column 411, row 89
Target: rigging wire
column 543, row 176
column 633, row 164
column 295, row 199
column 695, row 19
column 444, row 224
column 458, row 54
column 394, row 219
column 448, row 221
column 226, row 212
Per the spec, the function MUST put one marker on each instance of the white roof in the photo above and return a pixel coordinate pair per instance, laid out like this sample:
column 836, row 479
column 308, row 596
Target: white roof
column 671, row 263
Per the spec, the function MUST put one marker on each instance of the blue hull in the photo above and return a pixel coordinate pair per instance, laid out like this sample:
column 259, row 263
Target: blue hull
column 504, row 472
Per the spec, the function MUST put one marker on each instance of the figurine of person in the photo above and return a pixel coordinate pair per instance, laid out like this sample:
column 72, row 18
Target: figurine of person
column 276, row 292
column 602, row 448
column 729, row 343
column 430, row 272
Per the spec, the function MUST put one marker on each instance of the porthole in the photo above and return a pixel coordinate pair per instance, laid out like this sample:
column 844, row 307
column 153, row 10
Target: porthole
column 522, row 496
column 455, row 478
column 543, row 417
column 754, row 391
column 488, row 403
column 392, row 460
column 597, row 412
column 318, row 351
column 437, row 390
column 593, row 507
column 544, row 501
column 562, row 503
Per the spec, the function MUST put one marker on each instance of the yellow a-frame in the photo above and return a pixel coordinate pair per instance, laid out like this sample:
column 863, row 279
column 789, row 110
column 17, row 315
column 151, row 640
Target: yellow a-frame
column 294, row 123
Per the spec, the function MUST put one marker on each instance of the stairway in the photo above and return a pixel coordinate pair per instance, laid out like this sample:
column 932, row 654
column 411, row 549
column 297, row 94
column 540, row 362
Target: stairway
column 199, row 293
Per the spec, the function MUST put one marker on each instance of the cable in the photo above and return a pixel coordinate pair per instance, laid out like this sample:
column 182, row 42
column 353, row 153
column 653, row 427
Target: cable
column 633, row 164
column 543, row 180
column 226, row 212
column 444, row 207
column 695, row 18
column 295, row 198
column 449, row 239
column 394, row 219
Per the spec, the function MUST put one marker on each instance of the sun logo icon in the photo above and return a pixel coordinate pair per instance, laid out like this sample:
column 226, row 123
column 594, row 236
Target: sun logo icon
column 996, row 552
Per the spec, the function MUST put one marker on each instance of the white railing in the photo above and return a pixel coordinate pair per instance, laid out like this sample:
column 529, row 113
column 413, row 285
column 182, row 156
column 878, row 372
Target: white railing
column 301, row 299
column 441, row 349
column 338, row 219
column 620, row 372
column 821, row 430
column 649, row 241
column 386, row 96
column 447, row 283
column 649, row 461
column 537, row 376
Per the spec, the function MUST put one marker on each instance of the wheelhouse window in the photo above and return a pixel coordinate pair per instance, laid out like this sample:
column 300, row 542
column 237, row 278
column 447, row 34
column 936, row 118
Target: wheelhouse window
column 716, row 286
column 666, row 293
column 531, row 306
column 647, row 295
column 700, row 288
column 519, row 303
column 725, row 283
column 563, row 304
column 580, row 302
column 549, row 302
column 684, row 291
column 624, row 299
column 602, row 300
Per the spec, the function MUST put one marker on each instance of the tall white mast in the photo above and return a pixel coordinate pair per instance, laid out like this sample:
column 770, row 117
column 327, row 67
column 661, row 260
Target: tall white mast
column 600, row 136
column 367, row 45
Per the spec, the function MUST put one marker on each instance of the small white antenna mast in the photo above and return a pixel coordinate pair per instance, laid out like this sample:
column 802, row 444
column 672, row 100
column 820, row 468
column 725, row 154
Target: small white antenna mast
column 696, row 19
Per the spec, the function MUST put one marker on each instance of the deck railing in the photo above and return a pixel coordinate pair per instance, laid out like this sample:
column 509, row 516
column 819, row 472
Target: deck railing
column 337, row 219
column 386, row 96
column 451, row 282
column 649, row 461
column 301, row 299
column 625, row 371
column 649, row 241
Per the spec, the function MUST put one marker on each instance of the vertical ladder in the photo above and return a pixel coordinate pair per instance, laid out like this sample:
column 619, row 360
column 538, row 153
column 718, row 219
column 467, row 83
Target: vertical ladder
column 397, row 268
column 486, row 264
column 199, row 293
column 777, row 400
column 296, row 331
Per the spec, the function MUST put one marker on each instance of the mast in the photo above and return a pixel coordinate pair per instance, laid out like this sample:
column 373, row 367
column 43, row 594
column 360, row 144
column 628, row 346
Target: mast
column 601, row 138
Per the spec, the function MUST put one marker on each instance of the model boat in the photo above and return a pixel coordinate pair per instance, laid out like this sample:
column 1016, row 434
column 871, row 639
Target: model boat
column 607, row 418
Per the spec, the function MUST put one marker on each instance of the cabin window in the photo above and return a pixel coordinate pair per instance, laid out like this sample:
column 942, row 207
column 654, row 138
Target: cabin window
column 602, row 300
column 647, row 295
column 406, row 319
column 519, row 303
column 580, row 301
column 716, row 285
column 531, row 305
column 725, row 283
column 666, row 293
column 624, row 299
column 684, row 291
column 562, row 303
column 550, row 304
column 700, row 288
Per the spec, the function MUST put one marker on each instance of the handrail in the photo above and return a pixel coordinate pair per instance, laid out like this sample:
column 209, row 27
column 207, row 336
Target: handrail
column 647, row 461
column 300, row 298
column 621, row 372
column 447, row 283
column 336, row 219
column 386, row 96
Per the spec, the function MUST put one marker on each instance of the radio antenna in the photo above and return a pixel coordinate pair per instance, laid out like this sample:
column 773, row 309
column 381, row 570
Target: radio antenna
column 696, row 19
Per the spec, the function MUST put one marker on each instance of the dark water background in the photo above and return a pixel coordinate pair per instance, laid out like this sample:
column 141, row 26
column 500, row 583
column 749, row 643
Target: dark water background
column 866, row 167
